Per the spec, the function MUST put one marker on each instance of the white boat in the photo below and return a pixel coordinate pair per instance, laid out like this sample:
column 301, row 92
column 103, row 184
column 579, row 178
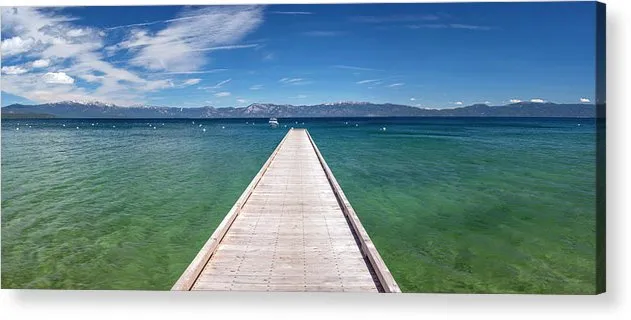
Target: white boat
column 273, row 122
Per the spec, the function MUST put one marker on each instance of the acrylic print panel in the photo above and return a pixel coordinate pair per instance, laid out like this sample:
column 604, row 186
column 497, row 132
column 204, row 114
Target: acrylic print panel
column 428, row 147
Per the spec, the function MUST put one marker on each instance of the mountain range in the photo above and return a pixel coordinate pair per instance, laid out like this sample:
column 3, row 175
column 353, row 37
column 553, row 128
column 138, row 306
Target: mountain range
column 77, row 109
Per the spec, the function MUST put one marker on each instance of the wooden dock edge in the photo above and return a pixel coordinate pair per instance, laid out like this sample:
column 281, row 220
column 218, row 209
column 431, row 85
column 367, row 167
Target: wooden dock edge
column 367, row 247
column 195, row 268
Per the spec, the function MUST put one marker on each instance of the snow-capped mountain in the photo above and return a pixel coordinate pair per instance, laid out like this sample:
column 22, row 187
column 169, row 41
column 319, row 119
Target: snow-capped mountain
column 95, row 109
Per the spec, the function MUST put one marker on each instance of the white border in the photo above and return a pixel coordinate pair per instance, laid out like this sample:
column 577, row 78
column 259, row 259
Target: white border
column 49, row 304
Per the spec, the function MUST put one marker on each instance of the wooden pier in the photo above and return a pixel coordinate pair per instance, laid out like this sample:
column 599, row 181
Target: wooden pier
column 292, row 229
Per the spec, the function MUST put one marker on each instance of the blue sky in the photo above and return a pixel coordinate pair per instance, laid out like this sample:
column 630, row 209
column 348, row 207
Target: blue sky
column 437, row 55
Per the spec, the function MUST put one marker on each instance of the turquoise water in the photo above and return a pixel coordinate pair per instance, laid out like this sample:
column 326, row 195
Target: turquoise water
column 453, row 205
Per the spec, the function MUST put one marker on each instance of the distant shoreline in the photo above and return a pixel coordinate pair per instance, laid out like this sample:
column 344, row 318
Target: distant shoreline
column 257, row 110
column 52, row 117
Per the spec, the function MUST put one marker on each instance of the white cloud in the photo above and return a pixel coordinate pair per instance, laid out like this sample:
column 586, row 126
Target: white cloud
column 236, row 46
column 16, row 45
column 57, row 78
column 75, row 33
column 396, row 85
column 459, row 103
column 269, row 57
column 191, row 82
column 179, row 46
column 289, row 80
column 515, row 101
column 469, row 27
column 50, row 37
column 152, row 22
column 14, row 70
column 222, row 94
column 195, row 72
column 585, row 100
column 293, row 81
column 221, row 83
column 300, row 96
column 354, row 68
column 41, row 63
column 367, row 81
column 412, row 99
column 242, row 100
column 256, row 87
column 537, row 100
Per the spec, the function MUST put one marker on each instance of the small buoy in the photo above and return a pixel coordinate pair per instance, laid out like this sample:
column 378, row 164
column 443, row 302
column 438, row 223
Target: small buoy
column 154, row 128
column 356, row 125
column 113, row 126
column 163, row 124
column 383, row 129
column 579, row 124
column 193, row 122
column 63, row 125
column 247, row 122
column 200, row 125
column 303, row 123
column 204, row 130
column 93, row 124
column 77, row 128
column 17, row 128
column 29, row 126
column 346, row 122
column 222, row 127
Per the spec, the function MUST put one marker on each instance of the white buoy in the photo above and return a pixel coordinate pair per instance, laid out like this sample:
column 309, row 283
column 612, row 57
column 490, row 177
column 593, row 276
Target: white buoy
column 154, row 128
column 193, row 122
column 113, row 126
column 17, row 128
column 29, row 126
column 77, row 128
column 93, row 124
column 204, row 130
column 356, row 125
column 383, row 129
column 222, row 127
column 63, row 125
column 200, row 125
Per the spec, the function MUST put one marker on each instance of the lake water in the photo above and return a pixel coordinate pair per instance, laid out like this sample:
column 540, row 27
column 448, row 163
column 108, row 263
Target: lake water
column 452, row 204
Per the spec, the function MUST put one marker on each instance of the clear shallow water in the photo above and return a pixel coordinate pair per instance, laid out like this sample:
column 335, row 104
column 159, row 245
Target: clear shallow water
column 453, row 205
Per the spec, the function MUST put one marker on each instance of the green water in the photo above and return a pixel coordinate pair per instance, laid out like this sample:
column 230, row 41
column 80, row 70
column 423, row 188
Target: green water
column 453, row 205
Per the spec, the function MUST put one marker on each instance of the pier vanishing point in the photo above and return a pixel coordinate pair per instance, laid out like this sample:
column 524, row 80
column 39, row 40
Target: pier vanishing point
column 292, row 229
